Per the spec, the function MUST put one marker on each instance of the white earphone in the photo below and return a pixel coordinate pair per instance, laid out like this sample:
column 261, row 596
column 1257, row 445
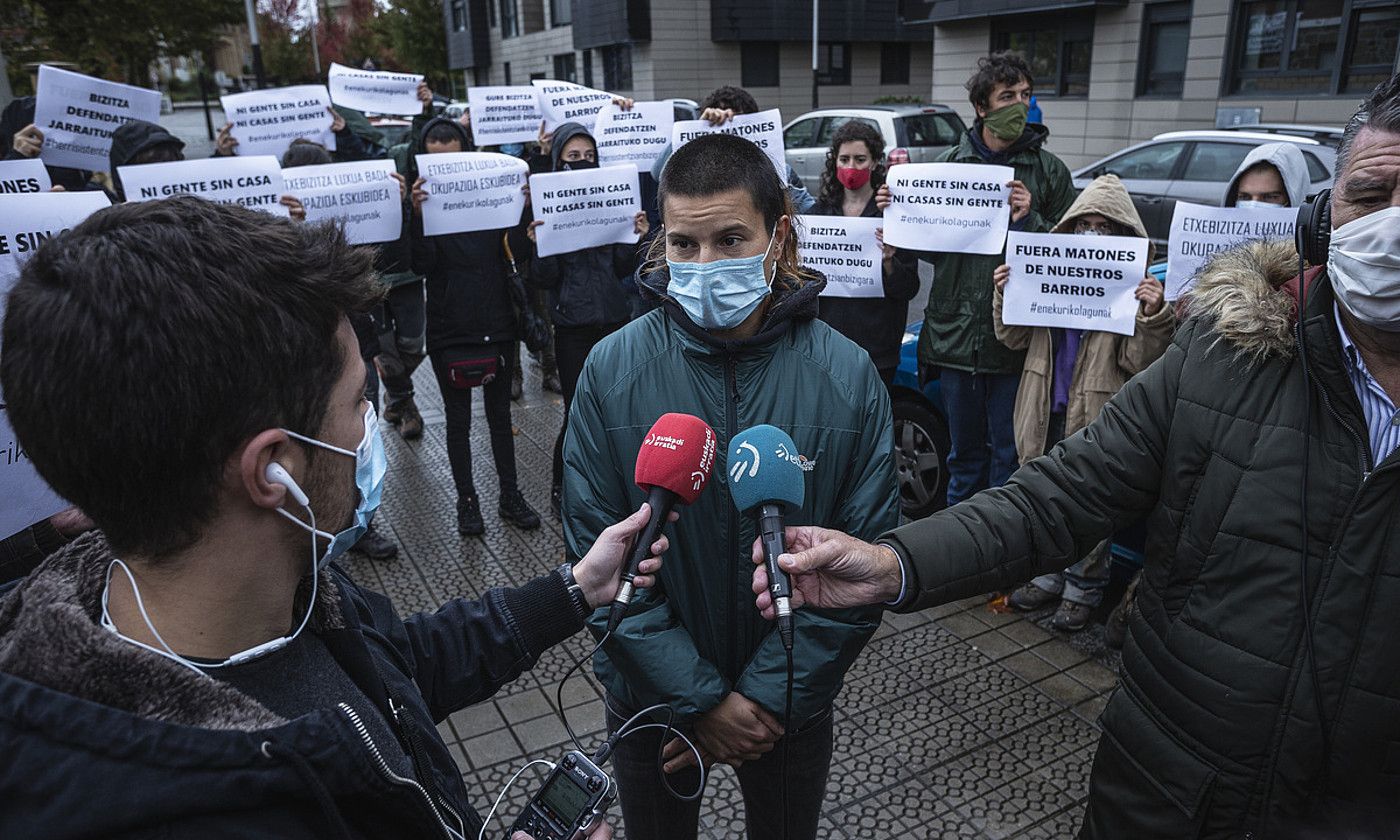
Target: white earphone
column 277, row 474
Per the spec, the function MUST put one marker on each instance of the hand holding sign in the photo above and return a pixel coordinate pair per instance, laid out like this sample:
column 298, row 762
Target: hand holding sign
column 1066, row 280
column 77, row 115
column 764, row 130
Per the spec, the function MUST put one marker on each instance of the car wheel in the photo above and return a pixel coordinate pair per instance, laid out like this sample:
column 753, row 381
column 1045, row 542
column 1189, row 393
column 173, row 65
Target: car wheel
column 920, row 453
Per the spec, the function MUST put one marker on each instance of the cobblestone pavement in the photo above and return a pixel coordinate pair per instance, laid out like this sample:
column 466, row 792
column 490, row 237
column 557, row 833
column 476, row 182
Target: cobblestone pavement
column 954, row 722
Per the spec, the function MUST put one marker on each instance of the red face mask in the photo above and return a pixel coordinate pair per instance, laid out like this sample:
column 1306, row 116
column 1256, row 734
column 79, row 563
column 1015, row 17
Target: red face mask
column 852, row 179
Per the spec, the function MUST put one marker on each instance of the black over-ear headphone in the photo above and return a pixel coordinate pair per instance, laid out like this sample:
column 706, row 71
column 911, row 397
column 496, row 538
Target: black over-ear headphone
column 1313, row 232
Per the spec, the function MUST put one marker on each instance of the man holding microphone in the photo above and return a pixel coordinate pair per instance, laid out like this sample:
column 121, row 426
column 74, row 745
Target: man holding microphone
column 1258, row 696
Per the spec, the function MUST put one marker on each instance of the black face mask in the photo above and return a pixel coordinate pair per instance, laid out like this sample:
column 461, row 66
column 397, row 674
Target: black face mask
column 576, row 165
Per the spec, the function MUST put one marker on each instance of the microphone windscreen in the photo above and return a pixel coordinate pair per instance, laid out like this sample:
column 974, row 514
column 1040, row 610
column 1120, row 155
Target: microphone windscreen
column 764, row 466
column 678, row 454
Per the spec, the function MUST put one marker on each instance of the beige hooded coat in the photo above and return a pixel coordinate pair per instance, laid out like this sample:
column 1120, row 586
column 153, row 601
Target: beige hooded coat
column 1106, row 360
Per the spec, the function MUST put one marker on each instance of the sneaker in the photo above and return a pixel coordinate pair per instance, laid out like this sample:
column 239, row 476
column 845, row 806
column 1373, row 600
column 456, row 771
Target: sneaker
column 556, row 501
column 1070, row 616
column 1031, row 597
column 469, row 522
column 550, row 381
column 375, row 545
column 410, row 421
column 515, row 510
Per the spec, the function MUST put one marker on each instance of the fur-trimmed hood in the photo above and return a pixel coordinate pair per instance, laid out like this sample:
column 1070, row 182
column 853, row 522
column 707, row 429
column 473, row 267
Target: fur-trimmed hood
column 1241, row 291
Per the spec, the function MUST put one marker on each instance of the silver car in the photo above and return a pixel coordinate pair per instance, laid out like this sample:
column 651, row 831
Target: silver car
column 1195, row 166
column 924, row 131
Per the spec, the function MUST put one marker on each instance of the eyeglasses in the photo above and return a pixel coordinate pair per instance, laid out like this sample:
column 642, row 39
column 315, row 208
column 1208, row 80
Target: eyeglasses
column 1102, row 229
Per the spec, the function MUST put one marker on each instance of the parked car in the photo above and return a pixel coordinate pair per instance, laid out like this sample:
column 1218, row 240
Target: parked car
column 923, row 131
column 1325, row 135
column 685, row 109
column 392, row 130
column 1195, row 166
column 920, row 434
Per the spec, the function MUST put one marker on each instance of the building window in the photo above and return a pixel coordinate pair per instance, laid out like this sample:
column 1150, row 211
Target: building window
column 617, row 67
column 507, row 65
column 1313, row 47
column 1375, row 40
column 894, row 64
column 565, row 69
column 510, row 21
column 1058, row 49
column 833, row 64
column 588, row 68
column 1166, row 30
column 758, row 64
column 491, row 14
column 561, row 13
column 459, row 15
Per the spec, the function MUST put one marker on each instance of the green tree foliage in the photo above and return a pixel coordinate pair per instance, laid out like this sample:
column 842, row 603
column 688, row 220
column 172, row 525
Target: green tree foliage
column 414, row 33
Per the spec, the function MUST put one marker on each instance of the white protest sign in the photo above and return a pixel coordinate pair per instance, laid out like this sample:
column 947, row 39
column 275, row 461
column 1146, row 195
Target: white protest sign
column 26, row 175
column 562, row 102
column 28, row 498
column 250, row 181
column 585, row 209
column 265, row 122
column 958, row 208
column 843, row 248
column 28, row 219
column 1080, row 282
column 764, row 130
column 78, row 114
column 374, row 91
column 471, row 191
column 502, row 114
column 1199, row 232
column 637, row 136
column 362, row 194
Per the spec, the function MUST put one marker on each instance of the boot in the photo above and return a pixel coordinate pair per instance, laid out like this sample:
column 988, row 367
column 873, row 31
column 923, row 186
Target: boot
column 1070, row 616
column 375, row 545
column 515, row 510
column 1031, row 597
column 410, row 421
column 469, row 522
column 550, row 381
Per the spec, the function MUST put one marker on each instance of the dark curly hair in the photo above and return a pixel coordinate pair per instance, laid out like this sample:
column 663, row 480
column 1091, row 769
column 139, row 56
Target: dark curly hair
column 852, row 131
column 999, row 68
column 732, row 98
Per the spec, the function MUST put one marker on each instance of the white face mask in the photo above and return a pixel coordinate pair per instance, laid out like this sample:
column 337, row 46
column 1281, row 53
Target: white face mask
column 1250, row 204
column 1363, row 262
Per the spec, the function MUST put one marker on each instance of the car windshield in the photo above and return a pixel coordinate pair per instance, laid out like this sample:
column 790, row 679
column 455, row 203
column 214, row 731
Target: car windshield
column 931, row 130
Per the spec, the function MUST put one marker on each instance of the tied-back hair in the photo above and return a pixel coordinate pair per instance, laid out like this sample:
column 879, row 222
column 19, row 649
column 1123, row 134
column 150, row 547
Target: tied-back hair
column 719, row 163
column 852, row 131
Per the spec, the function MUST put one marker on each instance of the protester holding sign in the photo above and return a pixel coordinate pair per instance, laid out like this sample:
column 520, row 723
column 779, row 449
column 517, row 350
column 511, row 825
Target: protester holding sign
column 979, row 374
column 265, row 122
column 21, row 139
column 374, row 91
column 587, row 297
column 77, row 114
column 1070, row 375
column 854, row 170
column 139, row 142
column 471, row 326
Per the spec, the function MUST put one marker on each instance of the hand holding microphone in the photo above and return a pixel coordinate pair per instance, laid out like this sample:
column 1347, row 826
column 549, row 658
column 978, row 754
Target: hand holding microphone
column 765, row 480
column 673, row 466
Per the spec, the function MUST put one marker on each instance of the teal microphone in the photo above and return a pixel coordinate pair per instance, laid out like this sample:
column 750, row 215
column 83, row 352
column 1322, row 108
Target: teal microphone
column 765, row 479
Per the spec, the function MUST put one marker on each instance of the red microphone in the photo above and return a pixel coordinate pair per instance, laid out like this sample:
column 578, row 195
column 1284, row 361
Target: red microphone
column 673, row 466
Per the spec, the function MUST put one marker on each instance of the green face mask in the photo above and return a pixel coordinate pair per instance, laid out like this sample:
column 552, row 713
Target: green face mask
column 1007, row 123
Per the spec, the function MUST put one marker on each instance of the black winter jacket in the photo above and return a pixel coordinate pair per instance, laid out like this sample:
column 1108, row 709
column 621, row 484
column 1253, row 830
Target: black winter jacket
column 876, row 324
column 468, row 299
column 103, row 739
column 1214, row 731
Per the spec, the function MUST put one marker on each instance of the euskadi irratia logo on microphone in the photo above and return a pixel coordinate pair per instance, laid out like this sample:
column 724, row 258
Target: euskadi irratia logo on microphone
column 664, row 441
column 795, row 458
column 747, row 462
column 707, row 460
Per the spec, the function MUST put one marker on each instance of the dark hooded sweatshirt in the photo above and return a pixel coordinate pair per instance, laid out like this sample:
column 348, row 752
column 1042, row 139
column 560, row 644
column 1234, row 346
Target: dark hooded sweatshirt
column 468, row 298
column 131, row 139
column 587, row 287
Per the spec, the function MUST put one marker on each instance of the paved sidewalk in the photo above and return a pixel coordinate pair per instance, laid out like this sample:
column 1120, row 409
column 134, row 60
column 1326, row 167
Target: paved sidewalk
column 954, row 722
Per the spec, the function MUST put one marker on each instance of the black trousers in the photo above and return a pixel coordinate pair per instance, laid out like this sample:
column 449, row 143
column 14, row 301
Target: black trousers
column 649, row 812
column 571, row 348
column 457, row 406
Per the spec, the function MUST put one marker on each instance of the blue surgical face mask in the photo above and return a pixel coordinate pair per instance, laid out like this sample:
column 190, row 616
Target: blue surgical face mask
column 1250, row 204
column 719, row 295
column 370, row 466
column 513, row 149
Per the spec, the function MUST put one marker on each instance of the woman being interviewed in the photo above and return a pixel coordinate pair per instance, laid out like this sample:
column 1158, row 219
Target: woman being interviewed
column 855, row 169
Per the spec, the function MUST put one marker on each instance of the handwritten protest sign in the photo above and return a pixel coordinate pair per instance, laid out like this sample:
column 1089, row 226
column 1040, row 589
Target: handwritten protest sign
column 363, row 195
column 471, row 191
column 1081, row 282
column 843, row 248
column 637, row 136
column 26, row 175
column 585, row 209
column 958, row 208
column 265, row 122
column 562, row 102
column 26, row 220
column 764, row 130
column 78, row 114
column 1199, row 232
column 504, row 114
column 374, row 91
column 250, row 181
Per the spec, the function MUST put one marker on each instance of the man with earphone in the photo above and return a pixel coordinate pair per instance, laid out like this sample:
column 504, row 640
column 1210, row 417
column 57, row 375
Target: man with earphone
column 1259, row 696
column 200, row 666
